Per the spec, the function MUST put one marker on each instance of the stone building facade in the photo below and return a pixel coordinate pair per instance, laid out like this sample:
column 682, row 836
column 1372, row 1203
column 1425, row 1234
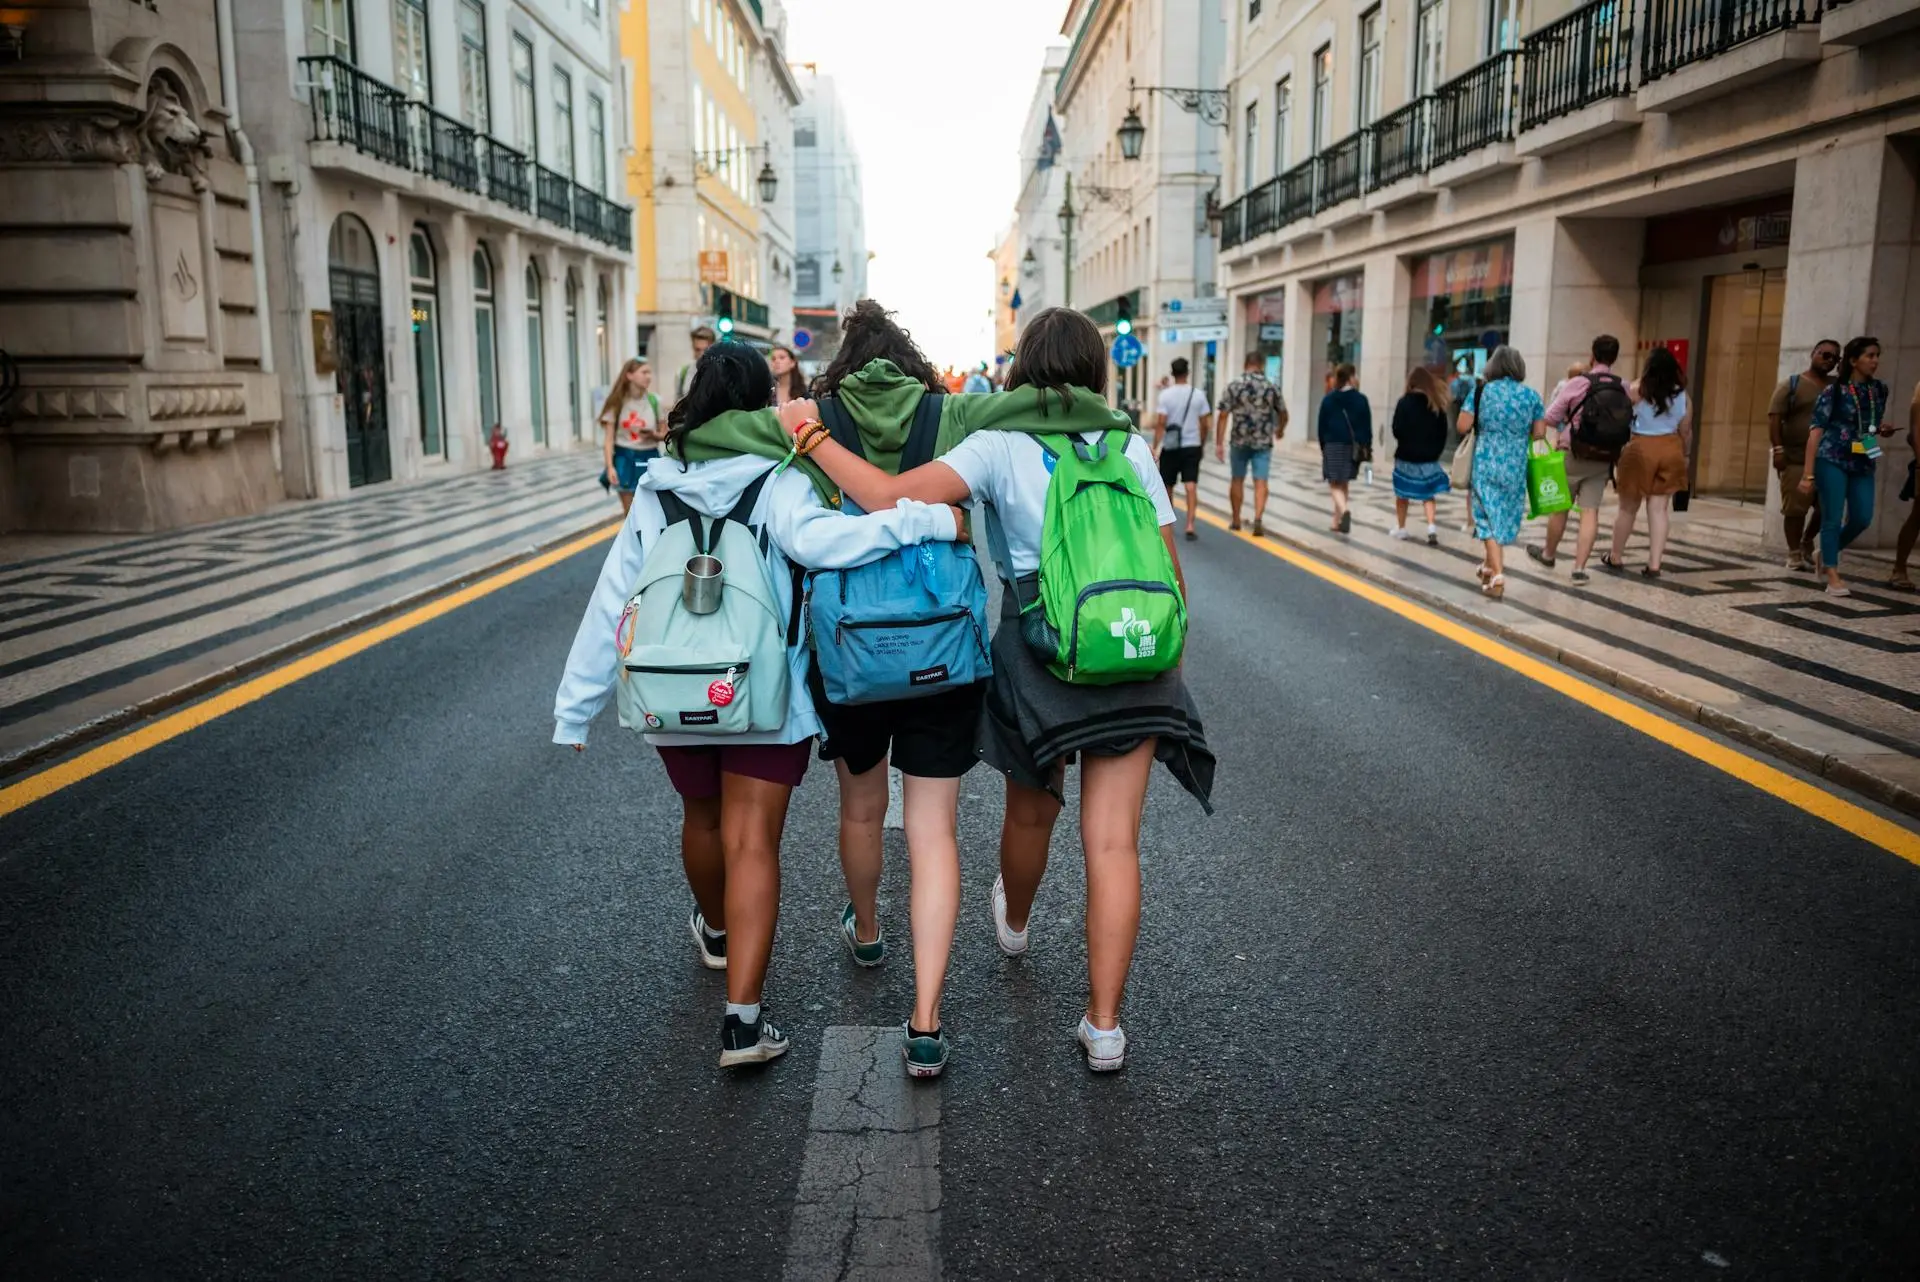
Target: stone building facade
column 130, row 303
column 1411, row 181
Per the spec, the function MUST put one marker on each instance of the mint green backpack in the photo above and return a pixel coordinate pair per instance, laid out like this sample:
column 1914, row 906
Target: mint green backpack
column 1108, row 608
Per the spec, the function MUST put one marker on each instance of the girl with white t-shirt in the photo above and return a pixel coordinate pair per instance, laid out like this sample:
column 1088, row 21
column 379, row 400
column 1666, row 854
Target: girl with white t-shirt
column 1034, row 724
column 633, row 426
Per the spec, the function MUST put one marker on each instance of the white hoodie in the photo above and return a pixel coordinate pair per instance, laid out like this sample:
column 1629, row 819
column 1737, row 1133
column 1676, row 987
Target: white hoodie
column 803, row 531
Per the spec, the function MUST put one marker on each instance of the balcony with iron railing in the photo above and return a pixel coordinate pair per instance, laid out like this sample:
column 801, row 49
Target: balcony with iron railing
column 1682, row 32
column 1581, row 59
column 356, row 111
column 1399, row 147
column 1474, row 110
column 1336, row 175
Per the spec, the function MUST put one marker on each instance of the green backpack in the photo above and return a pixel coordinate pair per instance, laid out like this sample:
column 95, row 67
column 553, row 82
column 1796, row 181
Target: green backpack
column 1108, row 608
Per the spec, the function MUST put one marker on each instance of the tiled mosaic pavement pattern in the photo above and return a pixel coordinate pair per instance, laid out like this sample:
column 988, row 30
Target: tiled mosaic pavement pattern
column 88, row 633
column 1727, row 624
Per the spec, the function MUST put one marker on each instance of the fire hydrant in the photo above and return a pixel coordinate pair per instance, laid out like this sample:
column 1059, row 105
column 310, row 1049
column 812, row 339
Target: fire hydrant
column 498, row 444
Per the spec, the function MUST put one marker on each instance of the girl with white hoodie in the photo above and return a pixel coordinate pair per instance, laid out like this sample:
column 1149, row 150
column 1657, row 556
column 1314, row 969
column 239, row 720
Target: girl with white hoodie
column 734, row 790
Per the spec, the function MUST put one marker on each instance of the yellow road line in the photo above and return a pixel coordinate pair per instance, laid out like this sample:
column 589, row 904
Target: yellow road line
column 114, row 751
column 1817, row 802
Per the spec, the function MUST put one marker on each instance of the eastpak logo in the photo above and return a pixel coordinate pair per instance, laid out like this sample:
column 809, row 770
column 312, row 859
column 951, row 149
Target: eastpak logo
column 928, row 676
column 710, row 717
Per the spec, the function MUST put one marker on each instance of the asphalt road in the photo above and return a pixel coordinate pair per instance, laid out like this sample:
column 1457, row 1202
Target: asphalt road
column 1462, row 980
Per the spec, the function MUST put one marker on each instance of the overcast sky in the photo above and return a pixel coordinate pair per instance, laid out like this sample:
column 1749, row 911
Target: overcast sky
column 935, row 96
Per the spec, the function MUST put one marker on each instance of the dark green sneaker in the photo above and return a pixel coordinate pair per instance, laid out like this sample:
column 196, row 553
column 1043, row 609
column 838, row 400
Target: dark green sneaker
column 925, row 1056
column 864, row 954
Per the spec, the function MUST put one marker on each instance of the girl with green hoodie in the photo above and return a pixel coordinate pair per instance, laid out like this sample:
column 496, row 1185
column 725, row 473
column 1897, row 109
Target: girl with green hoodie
column 1033, row 725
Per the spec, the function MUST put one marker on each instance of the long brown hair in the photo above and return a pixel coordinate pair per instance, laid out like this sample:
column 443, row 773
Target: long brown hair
column 617, row 394
column 1424, row 382
column 796, row 381
column 869, row 333
column 1060, row 350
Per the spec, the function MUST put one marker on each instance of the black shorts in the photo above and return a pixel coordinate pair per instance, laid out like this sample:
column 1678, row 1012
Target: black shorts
column 930, row 738
column 1179, row 463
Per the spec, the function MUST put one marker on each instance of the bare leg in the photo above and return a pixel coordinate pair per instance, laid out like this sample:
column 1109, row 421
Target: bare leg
column 1589, row 532
column 1193, row 501
column 1556, row 527
column 1236, row 489
column 1400, row 513
column 1496, row 566
column 1623, row 520
column 1430, row 509
column 752, row 814
column 1024, row 836
column 1903, row 542
column 933, row 849
column 1259, row 501
column 1339, row 491
column 626, row 504
column 1656, row 529
column 863, row 809
column 1113, row 791
column 704, row 859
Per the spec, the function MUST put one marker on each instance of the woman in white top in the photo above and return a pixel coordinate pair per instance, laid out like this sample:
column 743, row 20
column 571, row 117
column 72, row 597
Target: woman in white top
column 633, row 428
column 1653, row 466
column 734, row 789
column 1034, row 724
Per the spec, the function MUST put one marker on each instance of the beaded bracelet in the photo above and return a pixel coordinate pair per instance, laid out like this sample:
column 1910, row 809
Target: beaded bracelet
column 811, row 433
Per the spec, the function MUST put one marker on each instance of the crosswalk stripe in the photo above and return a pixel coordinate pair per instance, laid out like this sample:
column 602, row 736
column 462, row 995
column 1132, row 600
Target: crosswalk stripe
column 868, row 1206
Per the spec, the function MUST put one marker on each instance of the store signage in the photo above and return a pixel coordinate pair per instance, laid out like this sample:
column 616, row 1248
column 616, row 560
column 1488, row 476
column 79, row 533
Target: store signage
column 1271, row 308
column 1766, row 223
column 713, row 267
column 1473, row 271
column 325, row 359
column 1273, row 333
column 1198, row 334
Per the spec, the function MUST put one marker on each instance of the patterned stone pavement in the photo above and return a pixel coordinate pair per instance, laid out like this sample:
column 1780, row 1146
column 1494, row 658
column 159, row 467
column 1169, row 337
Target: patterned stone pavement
column 94, row 631
column 1725, row 628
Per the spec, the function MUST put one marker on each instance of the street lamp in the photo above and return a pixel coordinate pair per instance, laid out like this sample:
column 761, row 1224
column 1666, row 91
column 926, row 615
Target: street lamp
column 1132, row 132
column 838, row 270
column 1208, row 104
column 1029, row 266
column 769, row 183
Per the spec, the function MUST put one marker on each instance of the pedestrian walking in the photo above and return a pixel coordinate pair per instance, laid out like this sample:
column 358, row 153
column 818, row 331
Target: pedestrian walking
column 1183, row 408
column 881, row 381
column 1420, row 437
column 715, row 484
column 1345, row 429
column 1843, row 447
column 1789, row 418
column 1589, row 420
column 1258, row 414
column 1910, row 530
column 1037, row 720
column 1503, row 417
column 632, row 429
column 702, row 337
column 1653, row 466
column 977, row 381
column 788, row 381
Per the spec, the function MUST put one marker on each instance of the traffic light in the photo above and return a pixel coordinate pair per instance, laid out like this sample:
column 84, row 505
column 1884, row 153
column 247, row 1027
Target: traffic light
column 1123, row 318
column 725, row 322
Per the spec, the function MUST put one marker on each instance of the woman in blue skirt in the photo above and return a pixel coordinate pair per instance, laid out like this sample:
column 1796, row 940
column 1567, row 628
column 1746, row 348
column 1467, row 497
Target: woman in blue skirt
column 1420, row 437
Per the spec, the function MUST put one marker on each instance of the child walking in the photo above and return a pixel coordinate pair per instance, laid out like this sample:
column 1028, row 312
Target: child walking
column 631, row 421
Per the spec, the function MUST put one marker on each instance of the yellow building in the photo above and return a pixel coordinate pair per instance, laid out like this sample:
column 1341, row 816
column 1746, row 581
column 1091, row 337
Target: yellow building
column 709, row 93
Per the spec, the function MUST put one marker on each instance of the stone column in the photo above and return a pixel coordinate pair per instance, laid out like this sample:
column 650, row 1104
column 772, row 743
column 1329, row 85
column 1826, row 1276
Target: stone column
column 1296, row 370
column 510, row 302
column 465, row 431
column 396, row 309
column 1852, row 269
column 1384, row 360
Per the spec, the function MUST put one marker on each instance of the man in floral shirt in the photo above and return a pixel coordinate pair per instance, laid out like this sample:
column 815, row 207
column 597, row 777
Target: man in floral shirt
column 1259, row 419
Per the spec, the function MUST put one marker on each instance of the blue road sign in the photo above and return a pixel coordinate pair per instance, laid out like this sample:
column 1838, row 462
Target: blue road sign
column 1126, row 351
column 801, row 340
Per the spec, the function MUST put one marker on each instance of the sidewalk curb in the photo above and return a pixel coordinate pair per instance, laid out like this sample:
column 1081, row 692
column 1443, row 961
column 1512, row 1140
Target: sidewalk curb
column 1834, row 769
column 19, row 761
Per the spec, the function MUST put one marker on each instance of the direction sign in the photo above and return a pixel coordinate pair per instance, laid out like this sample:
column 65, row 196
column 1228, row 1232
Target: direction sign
column 1196, row 334
column 1126, row 351
column 1195, row 311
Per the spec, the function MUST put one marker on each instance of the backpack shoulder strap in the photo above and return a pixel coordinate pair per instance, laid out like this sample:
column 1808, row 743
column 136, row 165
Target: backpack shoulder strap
column 1793, row 386
column 924, row 434
column 840, row 425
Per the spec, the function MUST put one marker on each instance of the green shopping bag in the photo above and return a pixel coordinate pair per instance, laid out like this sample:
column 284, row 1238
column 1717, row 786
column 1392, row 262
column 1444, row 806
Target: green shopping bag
column 1547, row 490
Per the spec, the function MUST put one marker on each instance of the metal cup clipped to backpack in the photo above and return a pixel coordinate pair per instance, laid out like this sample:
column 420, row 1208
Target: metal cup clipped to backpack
column 700, row 588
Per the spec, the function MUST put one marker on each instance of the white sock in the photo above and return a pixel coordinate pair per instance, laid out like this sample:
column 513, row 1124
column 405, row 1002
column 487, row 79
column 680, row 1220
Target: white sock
column 1432, row 528
column 747, row 1014
column 710, row 932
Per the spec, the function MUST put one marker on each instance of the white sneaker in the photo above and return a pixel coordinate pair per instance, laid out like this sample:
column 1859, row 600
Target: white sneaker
column 1397, row 532
column 1106, row 1048
column 1012, row 942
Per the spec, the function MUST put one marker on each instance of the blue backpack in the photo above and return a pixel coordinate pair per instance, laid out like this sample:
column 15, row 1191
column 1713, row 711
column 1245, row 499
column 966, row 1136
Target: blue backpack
column 910, row 624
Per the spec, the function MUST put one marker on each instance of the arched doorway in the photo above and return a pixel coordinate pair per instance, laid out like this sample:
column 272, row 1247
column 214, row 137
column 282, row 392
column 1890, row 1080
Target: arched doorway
column 353, row 278
column 425, row 283
column 536, row 357
column 483, row 341
column 573, row 352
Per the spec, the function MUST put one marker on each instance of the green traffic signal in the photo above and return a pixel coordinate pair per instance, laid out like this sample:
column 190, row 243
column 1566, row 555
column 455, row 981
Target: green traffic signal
column 1123, row 325
column 726, row 325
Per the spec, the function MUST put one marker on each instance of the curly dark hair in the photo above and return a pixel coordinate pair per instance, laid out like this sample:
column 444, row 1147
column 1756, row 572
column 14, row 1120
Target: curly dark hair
column 869, row 333
column 1662, row 379
column 728, row 376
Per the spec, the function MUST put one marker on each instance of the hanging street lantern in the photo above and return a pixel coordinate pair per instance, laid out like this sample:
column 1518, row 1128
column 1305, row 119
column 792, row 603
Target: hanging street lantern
column 1132, row 133
column 769, row 184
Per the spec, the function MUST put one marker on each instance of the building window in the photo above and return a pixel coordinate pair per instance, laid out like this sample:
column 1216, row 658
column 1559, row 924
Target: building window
column 803, row 135
column 1251, row 147
column 473, row 66
column 483, row 333
column 1282, row 123
column 1253, row 9
column 573, row 353
column 1429, row 36
column 597, row 143
column 330, row 28
column 425, row 293
column 524, row 136
column 1322, row 121
column 1503, row 26
column 563, row 122
column 410, row 49
column 602, row 335
column 1371, row 66
column 536, row 358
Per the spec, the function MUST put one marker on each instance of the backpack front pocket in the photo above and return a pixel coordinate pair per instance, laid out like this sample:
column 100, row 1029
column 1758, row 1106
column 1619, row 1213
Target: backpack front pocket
column 879, row 660
column 677, row 690
column 1125, row 630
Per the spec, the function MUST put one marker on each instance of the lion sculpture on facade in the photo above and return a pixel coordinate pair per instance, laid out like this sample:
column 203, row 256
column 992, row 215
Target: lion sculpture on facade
column 171, row 141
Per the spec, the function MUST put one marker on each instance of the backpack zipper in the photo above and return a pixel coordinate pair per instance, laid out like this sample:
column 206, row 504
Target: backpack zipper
column 843, row 625
column 690, row 669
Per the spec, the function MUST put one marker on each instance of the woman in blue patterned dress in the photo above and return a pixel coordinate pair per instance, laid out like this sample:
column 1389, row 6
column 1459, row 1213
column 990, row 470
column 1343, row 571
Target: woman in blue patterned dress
column 1848, row 421
column 1503, row 415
